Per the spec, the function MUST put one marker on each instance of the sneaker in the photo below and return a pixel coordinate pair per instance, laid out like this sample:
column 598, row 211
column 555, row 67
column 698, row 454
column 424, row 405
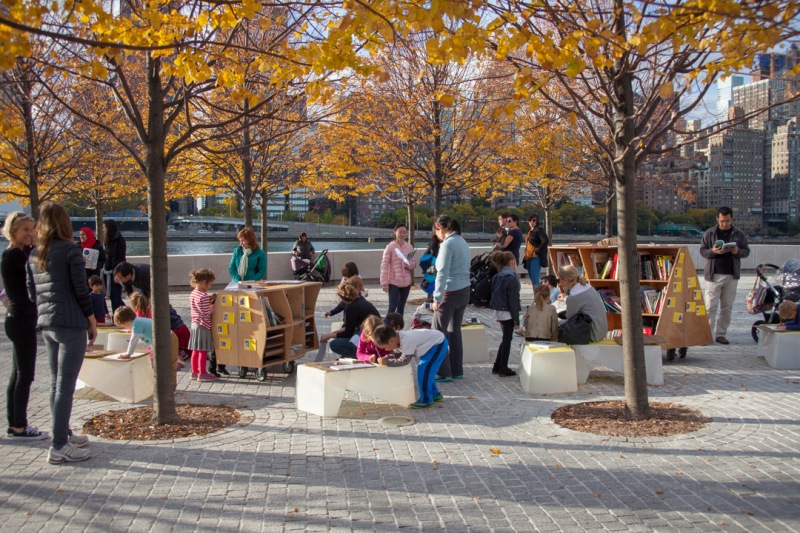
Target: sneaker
column 506, row 373
column 68, row 454
column 195, row 375
column 443, row 380
column 420, row 405
column 79, row 441
column 438, row 398
column 458, row 377
column 207, row 377
column 29, row 433
column 222, row 370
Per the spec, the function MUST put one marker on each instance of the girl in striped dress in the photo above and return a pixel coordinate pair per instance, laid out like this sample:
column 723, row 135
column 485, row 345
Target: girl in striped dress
column 201, row 341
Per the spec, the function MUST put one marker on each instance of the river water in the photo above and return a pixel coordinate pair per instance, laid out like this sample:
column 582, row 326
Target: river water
column 176, row 246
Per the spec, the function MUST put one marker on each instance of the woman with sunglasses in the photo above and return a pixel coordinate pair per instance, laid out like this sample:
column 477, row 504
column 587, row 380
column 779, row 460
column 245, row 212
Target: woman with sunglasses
column 451, row 293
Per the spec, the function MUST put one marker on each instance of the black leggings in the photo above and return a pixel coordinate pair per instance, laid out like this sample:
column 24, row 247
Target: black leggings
column 504, row 351
column 22, row 333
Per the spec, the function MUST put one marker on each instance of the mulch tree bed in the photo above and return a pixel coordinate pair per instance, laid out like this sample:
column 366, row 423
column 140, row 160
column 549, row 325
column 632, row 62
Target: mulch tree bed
column 137, row 423
column 608, row 418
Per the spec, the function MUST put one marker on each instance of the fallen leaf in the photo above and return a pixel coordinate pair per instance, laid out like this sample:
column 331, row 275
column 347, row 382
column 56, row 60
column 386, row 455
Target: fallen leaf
column 659, row 492
column 296, row 510
column 494, row 451
column 59, row 491
column 596, row 494
column 748, row 512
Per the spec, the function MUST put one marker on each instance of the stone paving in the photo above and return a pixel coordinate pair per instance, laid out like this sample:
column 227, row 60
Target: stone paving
column 284, row 470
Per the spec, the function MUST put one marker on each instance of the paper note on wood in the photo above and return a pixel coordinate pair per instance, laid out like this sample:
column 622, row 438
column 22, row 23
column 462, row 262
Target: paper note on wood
column 222, row 329
column 677, row 286
column 227, row 300
column 244, row 316
column 691, row 282
column 697, row 295
column 250, row 344
column 701, row 310
column 677, row 318
column 244, row 301
column 691, row 307
column 224, row 344
column 670, row 302
column 228, row 318
column 680, row 258
column 678, row 272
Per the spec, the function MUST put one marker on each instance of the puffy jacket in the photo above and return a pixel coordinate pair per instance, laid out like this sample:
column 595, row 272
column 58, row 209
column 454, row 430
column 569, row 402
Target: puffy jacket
column 393, row 270
column 505, row 293
column 61, row 293
column 115, row 252
column 303, row 250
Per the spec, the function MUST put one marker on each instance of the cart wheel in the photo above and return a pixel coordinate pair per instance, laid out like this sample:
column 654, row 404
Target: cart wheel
column 288, row 367
column 682, row 352
column 671, row 354
column 243, row 371
column 261, row 374
column 754, row 330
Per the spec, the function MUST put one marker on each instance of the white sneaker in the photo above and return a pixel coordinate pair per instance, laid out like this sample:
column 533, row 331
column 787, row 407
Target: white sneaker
column 79, row 441
column 68, row 454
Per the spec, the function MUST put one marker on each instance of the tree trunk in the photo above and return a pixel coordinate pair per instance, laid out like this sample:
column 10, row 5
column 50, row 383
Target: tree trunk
column 410, row 210
column 164, row 400
column 98, row 221
column 636, row 402
column 247, row 170
column 610, row 186
column 548, row 217
column 31, row 169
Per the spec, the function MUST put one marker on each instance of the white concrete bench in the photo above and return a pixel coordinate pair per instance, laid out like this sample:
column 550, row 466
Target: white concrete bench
column 320, row 390
column 476, row 347
column 607, row 353
column 780, row 348
column 127, row 381
column 547, row 368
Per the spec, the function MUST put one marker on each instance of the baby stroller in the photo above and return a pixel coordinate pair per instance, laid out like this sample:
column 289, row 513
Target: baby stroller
column 319, row 270
column 770, row 290
column 481, row 272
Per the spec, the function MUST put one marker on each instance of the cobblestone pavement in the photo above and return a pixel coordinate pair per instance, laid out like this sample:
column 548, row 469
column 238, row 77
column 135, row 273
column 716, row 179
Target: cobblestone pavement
column 284, row 470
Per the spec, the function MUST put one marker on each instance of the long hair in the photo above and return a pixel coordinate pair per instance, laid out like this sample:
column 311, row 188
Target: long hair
column 53, row 225
column 541, row 296
column 111, row 231
column 449, row 225
column 12, row 224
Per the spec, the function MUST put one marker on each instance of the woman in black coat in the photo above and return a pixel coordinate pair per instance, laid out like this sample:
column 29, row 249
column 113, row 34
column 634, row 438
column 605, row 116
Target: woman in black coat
column 115, row 254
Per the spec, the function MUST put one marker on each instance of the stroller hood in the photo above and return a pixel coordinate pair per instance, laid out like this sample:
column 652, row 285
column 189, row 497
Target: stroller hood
column 790, row 275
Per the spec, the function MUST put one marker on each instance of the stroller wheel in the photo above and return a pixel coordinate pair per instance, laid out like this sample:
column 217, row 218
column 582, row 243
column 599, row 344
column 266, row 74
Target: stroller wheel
column 754, row 330
column 671, row 354
column 682, row 352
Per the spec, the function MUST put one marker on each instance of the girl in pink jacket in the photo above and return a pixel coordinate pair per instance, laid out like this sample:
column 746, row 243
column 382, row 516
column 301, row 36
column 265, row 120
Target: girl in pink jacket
column 397, row 269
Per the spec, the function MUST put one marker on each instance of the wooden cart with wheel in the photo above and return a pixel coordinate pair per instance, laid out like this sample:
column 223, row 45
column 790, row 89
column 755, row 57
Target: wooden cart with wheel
column 261, row 325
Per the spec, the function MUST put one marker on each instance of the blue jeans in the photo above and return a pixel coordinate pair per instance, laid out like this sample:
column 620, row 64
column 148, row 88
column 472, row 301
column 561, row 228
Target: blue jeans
column 397, row 298
column 342, row 346
column 65, row 349
column 534, row 267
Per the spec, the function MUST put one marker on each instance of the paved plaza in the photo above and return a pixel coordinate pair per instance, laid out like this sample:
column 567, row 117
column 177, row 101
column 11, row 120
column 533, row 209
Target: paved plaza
column 284, row 470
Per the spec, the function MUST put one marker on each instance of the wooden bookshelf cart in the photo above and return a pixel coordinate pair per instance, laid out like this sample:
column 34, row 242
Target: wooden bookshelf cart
column 263, row 324
column 672, row 301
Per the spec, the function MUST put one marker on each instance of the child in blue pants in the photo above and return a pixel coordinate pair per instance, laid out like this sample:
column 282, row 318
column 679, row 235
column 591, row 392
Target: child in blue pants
column 429, row 345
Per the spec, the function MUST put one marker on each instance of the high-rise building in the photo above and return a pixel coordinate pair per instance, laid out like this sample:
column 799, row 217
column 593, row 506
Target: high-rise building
column 725, row 95
column 782, row 184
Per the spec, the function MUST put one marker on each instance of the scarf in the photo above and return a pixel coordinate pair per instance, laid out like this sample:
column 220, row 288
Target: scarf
column 90, row 238
column 243, row 263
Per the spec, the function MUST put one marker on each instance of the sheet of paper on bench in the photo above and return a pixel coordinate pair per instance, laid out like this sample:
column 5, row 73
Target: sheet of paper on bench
column 118, row 356
column 352, row 366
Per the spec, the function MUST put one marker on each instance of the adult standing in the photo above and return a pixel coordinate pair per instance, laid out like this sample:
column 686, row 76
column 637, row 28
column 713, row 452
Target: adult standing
column 397, row 270
column 116, row 249
column 20, row 325
column 583, row 298
column 723, row 246
column 93, row 254
column 514, row 237
column 302, row 253
column 357, row 308
column 536, row 242
column 451, row 295
column 500, row 234
column 57, row 282
column 248, row 262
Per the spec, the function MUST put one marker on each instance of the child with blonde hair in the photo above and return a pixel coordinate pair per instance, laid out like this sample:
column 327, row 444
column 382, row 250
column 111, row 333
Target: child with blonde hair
column 367, row 351
column 140, row 305
column 201, row 303
column 541, row 319
column 787, row 310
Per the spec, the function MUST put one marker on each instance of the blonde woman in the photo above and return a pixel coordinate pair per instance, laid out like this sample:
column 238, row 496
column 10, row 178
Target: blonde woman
column 57, row 281
column 20, row 326
column 582, row 298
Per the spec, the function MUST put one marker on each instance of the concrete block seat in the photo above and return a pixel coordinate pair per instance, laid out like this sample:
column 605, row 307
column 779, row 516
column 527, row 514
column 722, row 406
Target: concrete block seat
column 780, row 348
column 320, row 389
column 476, row 346
column 547, row 368
column 607, row 353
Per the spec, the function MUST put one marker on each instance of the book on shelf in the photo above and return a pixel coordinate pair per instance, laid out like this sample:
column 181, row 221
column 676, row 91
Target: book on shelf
column 663, row 266
column 569, row 258
column 269, row 314
column 599, row 260
column 650, row 299
column 610, row 300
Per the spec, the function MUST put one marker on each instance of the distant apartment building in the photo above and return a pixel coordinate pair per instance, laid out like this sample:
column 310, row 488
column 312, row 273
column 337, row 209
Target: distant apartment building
column 669, row 183
column 725, row 95
column 735, row 176
column 782, row 183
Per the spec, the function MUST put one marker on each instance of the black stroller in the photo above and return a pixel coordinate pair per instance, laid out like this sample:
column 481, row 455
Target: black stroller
column 783, row 284
column 481, row 272
column 318, row 270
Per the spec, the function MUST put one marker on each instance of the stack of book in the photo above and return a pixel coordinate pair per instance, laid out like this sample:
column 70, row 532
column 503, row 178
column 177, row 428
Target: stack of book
column 651, row 300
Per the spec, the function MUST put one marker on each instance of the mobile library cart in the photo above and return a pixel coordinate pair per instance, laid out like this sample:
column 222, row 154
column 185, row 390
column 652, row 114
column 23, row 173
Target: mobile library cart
column 256, row 325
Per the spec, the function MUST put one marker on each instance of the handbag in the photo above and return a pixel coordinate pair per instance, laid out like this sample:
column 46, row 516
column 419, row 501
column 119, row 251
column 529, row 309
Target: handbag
column 756, row 299
column 530, row 249
column 576, row 330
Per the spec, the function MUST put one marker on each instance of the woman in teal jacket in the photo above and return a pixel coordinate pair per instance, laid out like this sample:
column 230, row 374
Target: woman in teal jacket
column 249, row 262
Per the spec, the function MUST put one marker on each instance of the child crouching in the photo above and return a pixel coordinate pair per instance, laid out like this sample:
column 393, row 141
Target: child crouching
column 429, row 345
column 142, row 328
